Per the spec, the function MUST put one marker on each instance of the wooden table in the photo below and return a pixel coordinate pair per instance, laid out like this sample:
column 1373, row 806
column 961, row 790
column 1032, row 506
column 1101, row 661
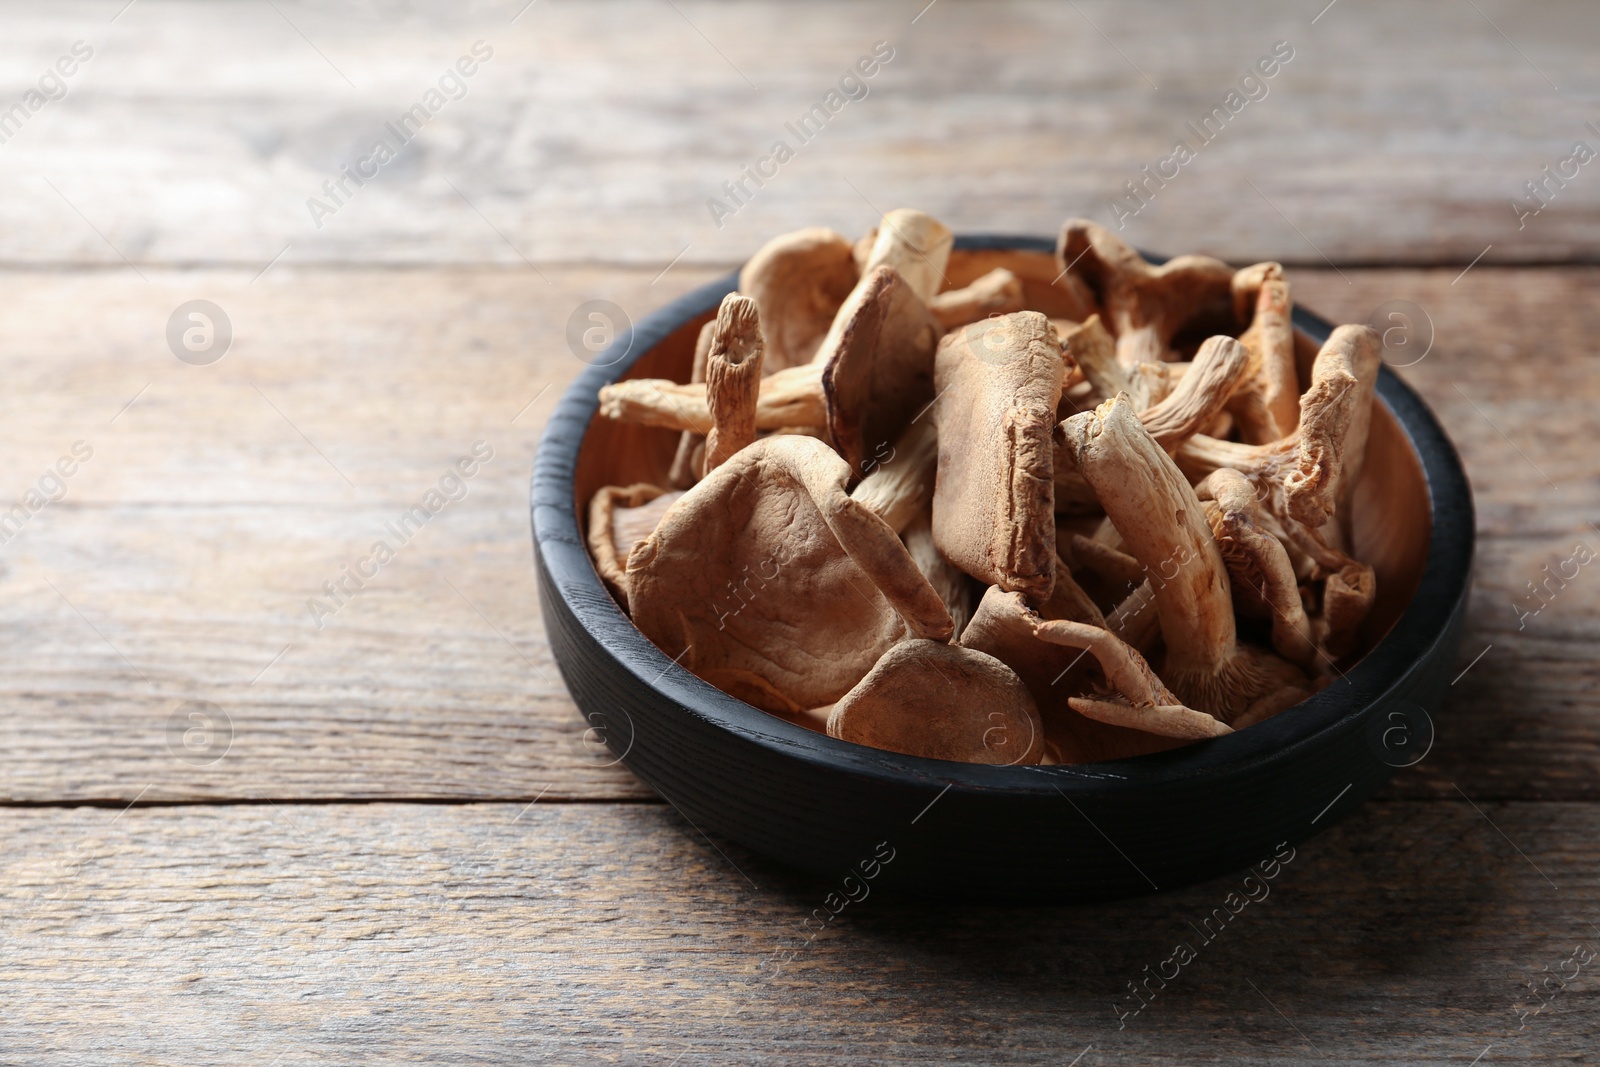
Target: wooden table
column 386, row 841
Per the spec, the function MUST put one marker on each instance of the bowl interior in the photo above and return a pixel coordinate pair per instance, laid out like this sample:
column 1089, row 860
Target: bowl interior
column 1390, row 525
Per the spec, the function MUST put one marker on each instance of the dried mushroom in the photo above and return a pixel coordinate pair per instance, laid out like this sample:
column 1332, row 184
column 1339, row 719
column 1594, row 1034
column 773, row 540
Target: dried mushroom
column 733, row 379
column 1164, row 527
column 798, row 282
column 770, row 583
column 879, row 371
column 1116, row 455
column 998, row 383
column 924, row 698
column 1144, row 306
column 619, row 518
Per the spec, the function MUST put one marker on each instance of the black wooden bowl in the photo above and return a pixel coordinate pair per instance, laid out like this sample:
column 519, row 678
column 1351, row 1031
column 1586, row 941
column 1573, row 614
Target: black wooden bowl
column 946, row 829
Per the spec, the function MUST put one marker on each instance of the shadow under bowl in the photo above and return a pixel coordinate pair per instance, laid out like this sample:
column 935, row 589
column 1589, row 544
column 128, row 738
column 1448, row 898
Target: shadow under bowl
column 1016, row 834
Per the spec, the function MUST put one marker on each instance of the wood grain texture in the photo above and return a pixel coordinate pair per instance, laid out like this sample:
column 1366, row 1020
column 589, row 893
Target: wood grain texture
column 615, row 934
column 597, row 132
column 194, row 538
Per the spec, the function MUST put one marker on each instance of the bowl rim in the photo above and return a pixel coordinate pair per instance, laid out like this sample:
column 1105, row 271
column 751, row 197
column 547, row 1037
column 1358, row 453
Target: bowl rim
column 1389, row 669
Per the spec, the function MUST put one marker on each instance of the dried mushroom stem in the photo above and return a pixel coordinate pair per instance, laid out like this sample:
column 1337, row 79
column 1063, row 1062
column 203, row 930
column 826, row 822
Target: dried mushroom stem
column 1095, row 353
column 1262, row 577
column 733, row 379
column 1201, row 394
column 1164, row 527
column 798, row 281
column 791, row 397
column 899, row 486
column 1106, row 561
column 1144, row 306
column 1267, row 408
column 997, row 293
column 915, row 244
column 1135, row 620
column 1298, row 477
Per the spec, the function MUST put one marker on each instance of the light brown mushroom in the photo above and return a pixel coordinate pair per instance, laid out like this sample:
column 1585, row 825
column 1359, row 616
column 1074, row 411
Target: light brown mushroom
column 770, row 583
column 1143, row 702
column 1267, row 405
column 915, row 244
column 1145, row 307
column 1200, row 395
column 940, row 701
column 798, row 281
column 879, row 366
column 791, row 397
column 619, row 518
column 1261, row 576
column 1006, row 628
column 899, row 482
column 733, row 379
column 997, row 293
column 1298, row 477
column 872, row 374
column 1164, row 527
column 1301, row 479
column 998, row 382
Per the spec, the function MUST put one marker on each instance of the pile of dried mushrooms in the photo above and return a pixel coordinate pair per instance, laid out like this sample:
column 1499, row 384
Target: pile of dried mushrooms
column 932, row 520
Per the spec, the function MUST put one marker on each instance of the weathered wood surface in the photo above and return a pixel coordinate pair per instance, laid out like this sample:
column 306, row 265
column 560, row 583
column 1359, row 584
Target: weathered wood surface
column 194, row 538
column 584, row 934
column 1398, row 132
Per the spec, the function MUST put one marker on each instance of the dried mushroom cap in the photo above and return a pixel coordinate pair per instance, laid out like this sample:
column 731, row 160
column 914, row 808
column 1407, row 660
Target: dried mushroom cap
column 1164, row 528
column 998, row 382
column 940, row 701
column 791, row 397
column 770, row 583
column 798, row 281
column 997, row 293
column 619, row 518
column 917, row 245
column 1267, row 405
column 1262, row 578
column 1144, row 306
column 899, row 483
column 733, row 378
column 879, row 372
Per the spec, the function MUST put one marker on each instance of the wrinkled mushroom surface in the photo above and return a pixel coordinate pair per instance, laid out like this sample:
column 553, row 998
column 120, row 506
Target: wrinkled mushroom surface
column 798, row 281
column 998, row 382
column 879, row 371
column 770, row 583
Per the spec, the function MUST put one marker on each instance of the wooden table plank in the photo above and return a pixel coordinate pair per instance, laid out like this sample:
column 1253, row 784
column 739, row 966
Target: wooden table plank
column 193, row 539
column 614, row 934
column 597, row 132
